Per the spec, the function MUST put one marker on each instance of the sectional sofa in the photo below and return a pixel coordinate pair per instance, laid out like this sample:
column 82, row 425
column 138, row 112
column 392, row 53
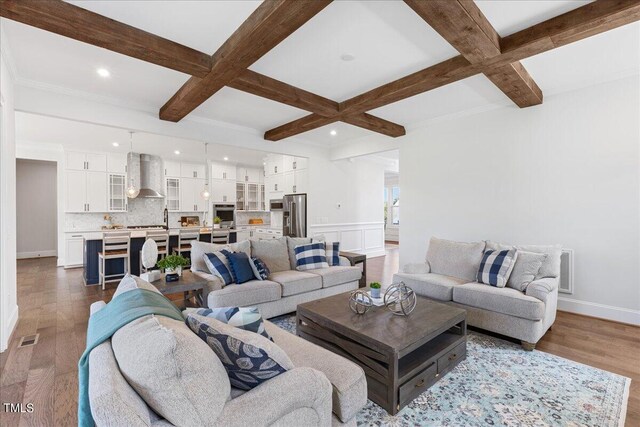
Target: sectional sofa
column 155, row 371
column 285, row 288
column 449, row 274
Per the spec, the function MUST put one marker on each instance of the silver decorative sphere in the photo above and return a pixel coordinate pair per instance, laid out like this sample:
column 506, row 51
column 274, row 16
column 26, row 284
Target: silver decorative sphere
column 360, row 302
column 149, row 254
column 400, row 299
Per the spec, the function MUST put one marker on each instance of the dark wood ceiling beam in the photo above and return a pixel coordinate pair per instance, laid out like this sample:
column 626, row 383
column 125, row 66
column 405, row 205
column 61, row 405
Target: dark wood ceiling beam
column 465, row 27
column 268, row 25
column 304, row 124
column 71, row 21
column 375, row 124
column 275, row 90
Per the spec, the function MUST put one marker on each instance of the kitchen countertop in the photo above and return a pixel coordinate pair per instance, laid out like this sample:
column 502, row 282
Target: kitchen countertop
column 96, row 234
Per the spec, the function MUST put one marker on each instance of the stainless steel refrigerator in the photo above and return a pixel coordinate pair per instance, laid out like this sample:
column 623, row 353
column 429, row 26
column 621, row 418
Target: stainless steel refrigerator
column 294, row 215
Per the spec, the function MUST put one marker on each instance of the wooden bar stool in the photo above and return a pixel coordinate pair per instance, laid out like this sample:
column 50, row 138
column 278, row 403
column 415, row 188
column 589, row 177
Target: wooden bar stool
column 115, row 245
column 185, row 237
column 161, row 237
column 220, row 237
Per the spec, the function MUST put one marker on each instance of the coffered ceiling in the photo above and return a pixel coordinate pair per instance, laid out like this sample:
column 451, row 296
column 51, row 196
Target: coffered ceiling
column 383, row 41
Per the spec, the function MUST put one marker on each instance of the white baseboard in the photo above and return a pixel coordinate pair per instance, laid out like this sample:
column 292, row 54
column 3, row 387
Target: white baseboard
column 36, row 254
column 12, row 321
column 618, row 314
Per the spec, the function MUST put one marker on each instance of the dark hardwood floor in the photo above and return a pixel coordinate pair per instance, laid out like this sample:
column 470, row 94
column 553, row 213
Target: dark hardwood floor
column 55, row 304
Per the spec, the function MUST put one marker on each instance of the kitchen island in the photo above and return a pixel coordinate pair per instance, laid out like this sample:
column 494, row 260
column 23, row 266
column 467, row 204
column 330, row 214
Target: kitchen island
column 93, row 244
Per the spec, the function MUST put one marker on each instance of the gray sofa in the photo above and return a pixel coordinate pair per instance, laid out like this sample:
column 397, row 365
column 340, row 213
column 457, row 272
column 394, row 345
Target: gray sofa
column 285, row 288
column 449, row 275
column 157, row 362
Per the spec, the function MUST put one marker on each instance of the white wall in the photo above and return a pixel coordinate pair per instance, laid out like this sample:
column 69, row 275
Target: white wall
column 8, row 297
column 564, row 172
column 36, row 208
column 357, row 187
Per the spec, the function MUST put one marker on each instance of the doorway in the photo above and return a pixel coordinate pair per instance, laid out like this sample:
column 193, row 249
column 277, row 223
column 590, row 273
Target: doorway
column 36, row 209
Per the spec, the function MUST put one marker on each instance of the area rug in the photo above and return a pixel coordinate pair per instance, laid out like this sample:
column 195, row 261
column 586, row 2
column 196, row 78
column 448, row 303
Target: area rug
column 499, row 384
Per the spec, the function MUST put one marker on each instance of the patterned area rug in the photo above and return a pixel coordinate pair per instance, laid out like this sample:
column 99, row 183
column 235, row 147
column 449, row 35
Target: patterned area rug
column 500, row 384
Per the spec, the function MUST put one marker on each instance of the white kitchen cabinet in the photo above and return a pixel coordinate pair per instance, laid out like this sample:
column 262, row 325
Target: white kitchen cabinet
column 292, row 163
column 171, row 169
column 193, row 170
column 295, row 182
column 117, row 196
column 190, row 199
column 74, row 251
column 76, row 191
column 248, row 174
column 172, row 199
column 223, row 171
column 243, row 234
column 117, row 163
column 300, row 181
column 274, row 164
column 223, row 191
column 274, row 183
column 241, row 195
column 76, row 160
column 96, row 191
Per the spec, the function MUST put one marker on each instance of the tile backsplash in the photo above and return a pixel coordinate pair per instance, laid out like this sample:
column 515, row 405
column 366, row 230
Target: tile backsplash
column 140, row 212
column 243, row 218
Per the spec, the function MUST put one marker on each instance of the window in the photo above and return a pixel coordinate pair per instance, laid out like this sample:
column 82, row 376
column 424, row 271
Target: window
column 392, row 205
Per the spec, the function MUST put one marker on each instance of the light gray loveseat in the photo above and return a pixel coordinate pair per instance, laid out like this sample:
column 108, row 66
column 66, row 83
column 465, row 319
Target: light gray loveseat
column 157, row 362
column 449, row 274
column 285, row 288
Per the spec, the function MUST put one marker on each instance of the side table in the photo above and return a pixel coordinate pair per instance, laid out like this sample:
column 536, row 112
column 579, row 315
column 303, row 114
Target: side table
column 354, row 259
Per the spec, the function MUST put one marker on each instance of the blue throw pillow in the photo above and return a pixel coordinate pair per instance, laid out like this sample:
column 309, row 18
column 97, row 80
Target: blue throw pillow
column 247, row 318
column 260, row 269
column 249, row 359
column 310, row 257
column 333, row 253
column 218, row 265
column 240, row 267
column 496, row 267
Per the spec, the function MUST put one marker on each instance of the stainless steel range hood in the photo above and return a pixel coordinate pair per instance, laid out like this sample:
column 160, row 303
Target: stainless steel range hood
column 146, row 172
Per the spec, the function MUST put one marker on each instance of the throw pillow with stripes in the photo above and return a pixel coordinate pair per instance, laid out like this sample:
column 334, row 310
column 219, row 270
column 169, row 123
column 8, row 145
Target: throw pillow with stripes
column 310, row 257
column 218, row 265
column 496, row 267
column 333, row 253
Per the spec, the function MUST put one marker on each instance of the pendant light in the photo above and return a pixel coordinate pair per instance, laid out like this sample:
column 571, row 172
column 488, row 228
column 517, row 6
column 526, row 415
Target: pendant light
column 205, row 192
column 132, row 190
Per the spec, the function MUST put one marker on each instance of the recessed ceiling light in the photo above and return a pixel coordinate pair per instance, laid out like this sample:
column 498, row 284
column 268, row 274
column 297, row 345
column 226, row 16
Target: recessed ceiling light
column 225, row 158
column 347, row 57
column 333, row 132
column 115, row 144
column 103, row 72
column 176, row 152
column 264, row 163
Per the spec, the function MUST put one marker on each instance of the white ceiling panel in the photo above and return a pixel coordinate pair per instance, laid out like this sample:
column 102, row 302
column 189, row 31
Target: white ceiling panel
column 201, row 25
column 387, row 39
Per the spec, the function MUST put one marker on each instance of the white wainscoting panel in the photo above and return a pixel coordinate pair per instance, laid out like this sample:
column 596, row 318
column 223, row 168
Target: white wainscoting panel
column 362, row 237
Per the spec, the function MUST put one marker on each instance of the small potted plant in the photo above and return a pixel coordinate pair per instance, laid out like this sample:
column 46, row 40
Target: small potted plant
column 375, row 289
column 172, row 266
column 216, row 222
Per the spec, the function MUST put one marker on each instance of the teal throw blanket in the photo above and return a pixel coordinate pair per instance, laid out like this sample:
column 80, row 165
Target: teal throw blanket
column 120, row 311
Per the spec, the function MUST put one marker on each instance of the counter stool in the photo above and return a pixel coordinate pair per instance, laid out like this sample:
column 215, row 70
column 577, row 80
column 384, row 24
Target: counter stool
column 220, row 237
column 161, row 237
column 185, row 237
column 115, row 245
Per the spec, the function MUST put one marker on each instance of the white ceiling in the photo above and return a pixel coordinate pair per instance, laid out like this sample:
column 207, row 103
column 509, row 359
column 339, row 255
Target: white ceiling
column 387, row 39
column 75, row 135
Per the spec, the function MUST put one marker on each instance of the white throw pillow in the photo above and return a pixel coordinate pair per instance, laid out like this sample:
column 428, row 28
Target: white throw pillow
column 525, row 270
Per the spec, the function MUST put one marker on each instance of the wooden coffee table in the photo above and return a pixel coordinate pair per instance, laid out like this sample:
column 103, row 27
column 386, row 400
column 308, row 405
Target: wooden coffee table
column 190, row 285
column 401, row 356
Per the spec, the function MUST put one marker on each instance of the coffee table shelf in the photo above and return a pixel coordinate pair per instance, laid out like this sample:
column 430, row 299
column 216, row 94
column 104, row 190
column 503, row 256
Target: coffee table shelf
column 401, row 356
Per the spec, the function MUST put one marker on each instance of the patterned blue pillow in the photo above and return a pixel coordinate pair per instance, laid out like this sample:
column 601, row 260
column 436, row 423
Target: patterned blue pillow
column 260, row 269
column 333, row 253
column 218, row 265
column 249, row 359
column 496, row 267
column 247, row 318
column 310, row 257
